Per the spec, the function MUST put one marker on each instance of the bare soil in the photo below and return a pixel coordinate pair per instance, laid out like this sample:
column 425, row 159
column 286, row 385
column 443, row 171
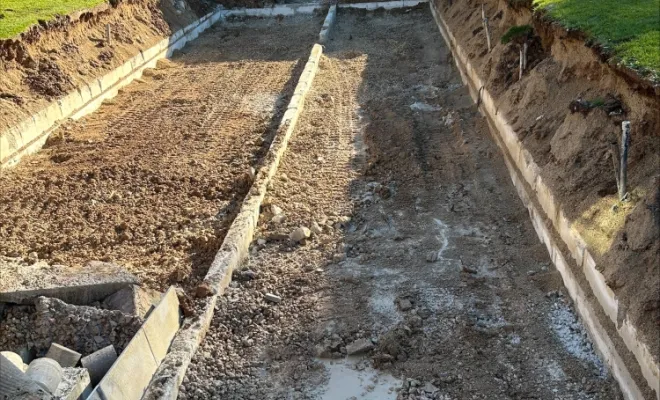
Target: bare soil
column 573, row 148
column 152, row 180
column 48, row 61
column 421, row 252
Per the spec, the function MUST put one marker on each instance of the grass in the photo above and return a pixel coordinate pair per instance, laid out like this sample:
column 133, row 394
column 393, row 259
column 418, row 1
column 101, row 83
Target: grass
column 516, row 32
column 629, row 29
column 17, row 15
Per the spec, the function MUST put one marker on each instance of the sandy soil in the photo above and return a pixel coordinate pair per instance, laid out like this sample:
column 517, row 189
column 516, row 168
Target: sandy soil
column 153, row 179
column 47, row 62
column 573, row 149
column 422, row 262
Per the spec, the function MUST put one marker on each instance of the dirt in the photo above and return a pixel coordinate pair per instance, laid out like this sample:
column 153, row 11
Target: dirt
column 573, row 149
column 152, row 180
column 422, row 263
column 50, row 60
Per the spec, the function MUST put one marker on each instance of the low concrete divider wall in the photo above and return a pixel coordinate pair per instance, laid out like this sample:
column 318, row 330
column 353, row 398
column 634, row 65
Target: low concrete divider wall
column 523, row 163
column 234, row 249
column 388, row 5
column 132, row 372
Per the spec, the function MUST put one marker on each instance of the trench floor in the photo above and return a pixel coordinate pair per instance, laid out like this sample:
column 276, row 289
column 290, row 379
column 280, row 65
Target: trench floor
column 153, row 179
column 423, row 257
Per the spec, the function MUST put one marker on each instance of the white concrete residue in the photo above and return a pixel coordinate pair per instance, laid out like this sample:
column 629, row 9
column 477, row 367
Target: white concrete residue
column 442, row 237
column 347, row 382
column 573, row 336
column 423, row 107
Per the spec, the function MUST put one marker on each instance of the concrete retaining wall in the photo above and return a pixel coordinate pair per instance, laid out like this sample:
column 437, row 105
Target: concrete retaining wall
column 523, row 163
column 388, row 5
column 234, row 249
column 327, row 24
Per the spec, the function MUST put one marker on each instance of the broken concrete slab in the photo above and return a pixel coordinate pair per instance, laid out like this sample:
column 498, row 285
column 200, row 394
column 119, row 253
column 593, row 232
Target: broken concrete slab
column 22, row 284
column 75, row 385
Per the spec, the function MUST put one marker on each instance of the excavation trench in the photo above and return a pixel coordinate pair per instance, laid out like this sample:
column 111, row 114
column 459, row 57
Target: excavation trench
column 148, row 185
column 422, row 264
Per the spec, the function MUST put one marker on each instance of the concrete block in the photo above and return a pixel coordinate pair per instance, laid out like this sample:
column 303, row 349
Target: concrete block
column 64, row 356
column 283, row 10
column 75, row 385
column 162, row 324
column 130, row 374
column 599, row 287
column 46, row 373
column 546, row 199
column 93, row 282
column 99, row 363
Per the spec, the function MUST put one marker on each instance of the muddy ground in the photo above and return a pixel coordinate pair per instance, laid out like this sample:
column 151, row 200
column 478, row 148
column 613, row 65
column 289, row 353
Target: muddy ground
column 422, row 262
column 152, row 180
column 574, row 149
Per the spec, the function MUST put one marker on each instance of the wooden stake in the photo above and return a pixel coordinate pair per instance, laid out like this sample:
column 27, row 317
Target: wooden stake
column 108, row 34
column 524, row 56
column 484, row 19
column 520, row 68
column 625, row 143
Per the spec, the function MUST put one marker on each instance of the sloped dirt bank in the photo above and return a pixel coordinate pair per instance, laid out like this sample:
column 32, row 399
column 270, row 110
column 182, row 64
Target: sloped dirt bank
column 572, row 148
column 50, row 60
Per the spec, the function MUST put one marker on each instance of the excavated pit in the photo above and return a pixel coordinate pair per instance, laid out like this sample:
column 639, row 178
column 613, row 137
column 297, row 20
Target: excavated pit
column 422, row 262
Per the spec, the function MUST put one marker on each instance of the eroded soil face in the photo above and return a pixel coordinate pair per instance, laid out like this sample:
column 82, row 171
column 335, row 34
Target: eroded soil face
column 152, row 180
column 422, row 262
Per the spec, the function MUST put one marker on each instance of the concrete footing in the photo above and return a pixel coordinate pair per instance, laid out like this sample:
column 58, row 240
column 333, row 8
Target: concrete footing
column 64, row 356
column 46, row 373
column 80, row 286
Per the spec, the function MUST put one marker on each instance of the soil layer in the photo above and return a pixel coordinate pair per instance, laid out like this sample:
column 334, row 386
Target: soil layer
column 567, row 109
column 152, row 180
column 421, row 263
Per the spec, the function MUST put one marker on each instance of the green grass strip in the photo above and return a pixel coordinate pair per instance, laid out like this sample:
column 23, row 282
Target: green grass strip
column 630, row 29
column 17, row 15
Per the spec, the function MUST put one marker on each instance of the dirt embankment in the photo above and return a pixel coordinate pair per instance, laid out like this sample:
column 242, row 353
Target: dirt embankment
column 573, row 146
column 54, row 58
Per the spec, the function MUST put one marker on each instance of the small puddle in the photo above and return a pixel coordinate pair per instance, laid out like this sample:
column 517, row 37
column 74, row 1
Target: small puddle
column 348, row 382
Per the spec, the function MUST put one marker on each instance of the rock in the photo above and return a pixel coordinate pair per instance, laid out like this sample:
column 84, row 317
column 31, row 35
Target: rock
column 33, row 257
column 432, row 256
column 405, row 304
column 278, row 219
column 261, row 242
column 316, row 228
column 273, row 298
column 469, row 270
column 300, row 234
column 275, row 210
column 359, row 346
column 204, row 290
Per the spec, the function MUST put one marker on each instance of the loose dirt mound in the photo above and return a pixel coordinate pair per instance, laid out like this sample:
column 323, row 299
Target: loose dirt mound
column 152, row 180
column 573, row 146
column 52, row 59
